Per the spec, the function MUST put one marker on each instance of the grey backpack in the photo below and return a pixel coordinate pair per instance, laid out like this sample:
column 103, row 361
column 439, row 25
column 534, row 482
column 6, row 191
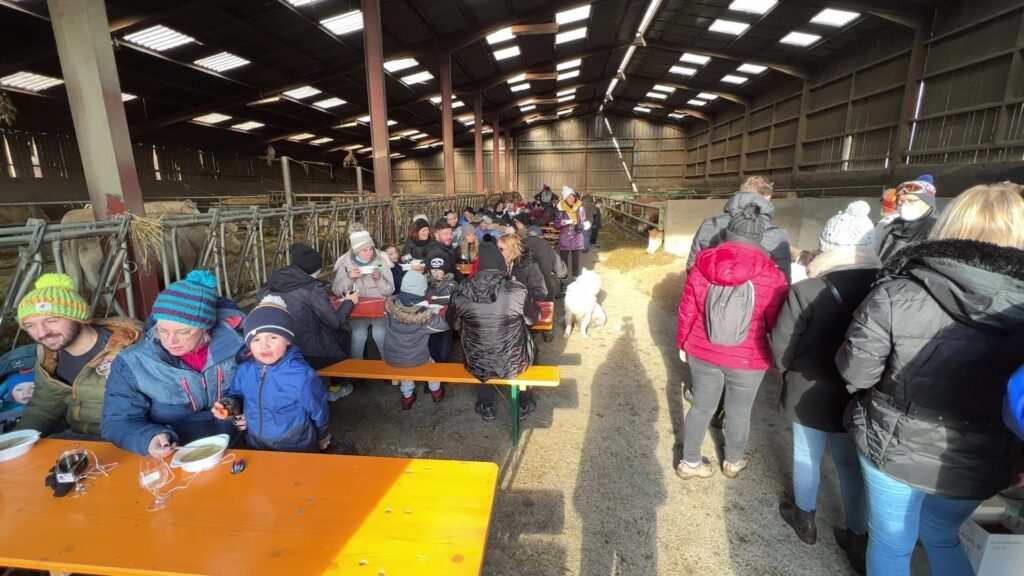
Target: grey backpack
column 727, row 313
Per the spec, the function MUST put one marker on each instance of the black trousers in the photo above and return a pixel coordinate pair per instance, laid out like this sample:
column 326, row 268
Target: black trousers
column 593, row 235
column 485, row 395
column 572, row 261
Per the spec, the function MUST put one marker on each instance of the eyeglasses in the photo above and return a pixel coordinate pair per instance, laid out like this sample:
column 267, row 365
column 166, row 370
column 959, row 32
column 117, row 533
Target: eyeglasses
column 179, row 334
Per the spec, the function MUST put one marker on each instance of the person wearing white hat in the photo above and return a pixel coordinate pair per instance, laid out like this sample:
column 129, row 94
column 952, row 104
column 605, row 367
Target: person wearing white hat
column 571, row 221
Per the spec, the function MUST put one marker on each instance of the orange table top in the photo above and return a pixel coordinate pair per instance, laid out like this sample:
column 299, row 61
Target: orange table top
column 285, row 514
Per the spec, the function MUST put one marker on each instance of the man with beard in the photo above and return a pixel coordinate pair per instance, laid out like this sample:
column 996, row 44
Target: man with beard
column 73, row 358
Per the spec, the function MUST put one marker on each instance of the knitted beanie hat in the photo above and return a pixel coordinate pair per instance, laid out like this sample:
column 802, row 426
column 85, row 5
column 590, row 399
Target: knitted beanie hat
column 534, row 231
column 923, row 188
column 851, row 227
column 414, row 283
column 360, row 240
column 567, row 191
column 746, row 226
column 306, row 258
column 192, row 301
column 54, row 295
column 420, row 224
column 491, row 258
column 468, row 229
column 269, row 316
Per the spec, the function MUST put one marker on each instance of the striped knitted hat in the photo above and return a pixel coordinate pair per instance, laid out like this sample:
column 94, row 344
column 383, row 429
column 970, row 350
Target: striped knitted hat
column 192, row 301
column 270, row 315
column 54, row 295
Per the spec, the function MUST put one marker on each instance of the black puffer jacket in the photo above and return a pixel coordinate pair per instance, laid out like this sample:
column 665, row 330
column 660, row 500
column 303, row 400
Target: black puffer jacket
column 934, row 343
column 496, row 313
column 544, row 255
column 418, row 249
column 310, row 306
column 526, row 271
column 901, row 233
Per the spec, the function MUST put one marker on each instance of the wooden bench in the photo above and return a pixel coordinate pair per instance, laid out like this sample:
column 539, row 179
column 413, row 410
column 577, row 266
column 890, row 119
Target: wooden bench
column 548, row 376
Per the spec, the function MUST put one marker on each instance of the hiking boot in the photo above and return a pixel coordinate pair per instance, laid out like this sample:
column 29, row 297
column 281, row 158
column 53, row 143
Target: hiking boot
column 527, row 409
column 486, row 411
column 704, row 470
column 802, row 522
column 731, row 470
column 335, row 392
column 408, row 401
column 437, row 395
column 856, row 548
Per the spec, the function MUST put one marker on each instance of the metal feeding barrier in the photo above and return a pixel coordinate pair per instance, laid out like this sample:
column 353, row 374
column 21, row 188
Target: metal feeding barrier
column 632, row 215
column 241, row 246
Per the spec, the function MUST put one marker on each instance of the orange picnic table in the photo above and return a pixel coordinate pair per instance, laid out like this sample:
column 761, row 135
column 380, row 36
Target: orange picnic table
column 284, row 514
column 374, row 308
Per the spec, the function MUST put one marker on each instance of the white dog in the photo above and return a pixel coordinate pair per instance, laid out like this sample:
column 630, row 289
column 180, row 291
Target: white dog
column 581, row 305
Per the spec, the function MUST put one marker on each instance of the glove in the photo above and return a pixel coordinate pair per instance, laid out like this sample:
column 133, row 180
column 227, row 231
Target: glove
column 682, row 355
column 586, row 225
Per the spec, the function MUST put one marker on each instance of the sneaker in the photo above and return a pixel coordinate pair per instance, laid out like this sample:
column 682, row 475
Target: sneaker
column 733, row 470
column 438, row 394
column 856, row 548
column 704, row 470
column 802, row 522
column 407, row 402
column 486, row 411
column 527, row 409
column 336, row 392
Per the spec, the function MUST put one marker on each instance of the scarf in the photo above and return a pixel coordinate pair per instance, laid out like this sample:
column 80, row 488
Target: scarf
column 571, row 211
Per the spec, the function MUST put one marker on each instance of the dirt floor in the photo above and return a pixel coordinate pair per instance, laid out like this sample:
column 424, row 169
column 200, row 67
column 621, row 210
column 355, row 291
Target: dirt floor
column 591, row 489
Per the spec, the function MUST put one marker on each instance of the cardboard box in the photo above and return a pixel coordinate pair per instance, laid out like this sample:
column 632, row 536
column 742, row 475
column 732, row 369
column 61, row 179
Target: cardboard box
column 994, row 542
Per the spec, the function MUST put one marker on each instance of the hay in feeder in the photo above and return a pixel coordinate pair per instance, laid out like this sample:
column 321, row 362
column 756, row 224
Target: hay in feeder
column 147, row 235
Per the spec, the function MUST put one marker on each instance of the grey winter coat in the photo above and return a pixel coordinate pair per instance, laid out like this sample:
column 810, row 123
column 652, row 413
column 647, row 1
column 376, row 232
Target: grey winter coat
column 712, row 232
column 409, row 329
column 365, row 285
column 934, row 344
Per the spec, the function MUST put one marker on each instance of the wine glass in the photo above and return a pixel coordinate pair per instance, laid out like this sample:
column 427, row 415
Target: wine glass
column 73, row 466
column 154, row 474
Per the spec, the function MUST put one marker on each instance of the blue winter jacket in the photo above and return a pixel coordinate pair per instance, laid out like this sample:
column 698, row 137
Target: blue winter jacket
column 285, row 403
column 1013, row 405
column 149, row 391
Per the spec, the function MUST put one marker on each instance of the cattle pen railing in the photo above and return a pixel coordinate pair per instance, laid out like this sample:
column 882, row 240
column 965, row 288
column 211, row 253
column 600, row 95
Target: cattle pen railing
column 241, row 246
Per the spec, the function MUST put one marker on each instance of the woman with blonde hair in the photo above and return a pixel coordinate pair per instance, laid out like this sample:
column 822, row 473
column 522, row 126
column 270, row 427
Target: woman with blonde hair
column 929, row 352
column 522, row 266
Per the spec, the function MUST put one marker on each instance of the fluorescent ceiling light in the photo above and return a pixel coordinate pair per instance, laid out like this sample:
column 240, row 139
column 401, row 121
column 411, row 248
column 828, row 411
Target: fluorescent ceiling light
column 565, row 111
column 395, row 138
column 298, row 3
column 347, row 125
column 354, row 147
column 676, row 115
column 520, row 87
column 409, row 132
column 694, row 58
column 301, row 136
column 696, row 102
column 329, row 103
column 751, row 69
column 396, row 155
column 364, row 119
column 567, row 98
column 268, row 100
column 159, row 38
column 365, row 150
column 517, row 79
column 126, row 97
column 753, row 6
column 733, row 79
column 456, row 103
column 527, row 108
column 503, row 35
column 831, row 17
column 300, row 93
column 568, row 75
column 568, row 91
column 641, row 109
column 211, row 119
column 320, row 141
column 221, row 62
column 573, row 15
column 392, row 122
column 248, row 125
column 417, row 78
column 683, row 70
column 707, row 96
column 466, row 121
column 402, row 64
column 506, row 53
column 728, row 27
column 417, row 136
column 657, row 95
column 344, row 23
column 800, row 39
column 569, row 36
column 665, row 89
column 29, row 81
column 570, row 64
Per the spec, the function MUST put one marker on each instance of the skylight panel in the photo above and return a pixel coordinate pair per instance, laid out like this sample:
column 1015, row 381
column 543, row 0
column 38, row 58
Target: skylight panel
column 832, row 17
column 126, row 97
column 657, row 95
column 344, row 23
column 573, row 15
column 527, row 108
column 392, row 122
column 419, row 136
column 694, row 58
column 800, row 39
column 503, row 35
column 249, row 125
column 696, row 102
column 733, row 79
column 159, row 38
column 751, row 69
column 364, row 119
column 348, row 125
column 396, row 155
column 568, row 75
column 268, row 100
column 366, row 150
column 728, row 27
column 570, row 35
column 517, row 79
column 301, row 136
column 410, row 132
column 708, row 96
column 567, row 98
column 568, row 91
column 753, row 6
column 417, row 78
column 221, row 62
column 570, row 64
column 663, row 88
column 676, row 115
column 211, row 119
column 506, row 53
column 401, row 64
column 353, row 147
column 683, row 70
column 303, row 92
column 329, row 103
column 466, row 121
column 300, row 3
column 643, row 109
column 30, row 81
column 565, row 111
column 320, row 141
column 520, row 87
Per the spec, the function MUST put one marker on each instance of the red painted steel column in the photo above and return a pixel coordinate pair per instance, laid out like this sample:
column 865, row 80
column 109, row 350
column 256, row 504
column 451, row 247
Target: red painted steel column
column 81, row 30
column 496, row 140
column 478, row 140
column 508, row 157
column 447, row 132
column 377, row 97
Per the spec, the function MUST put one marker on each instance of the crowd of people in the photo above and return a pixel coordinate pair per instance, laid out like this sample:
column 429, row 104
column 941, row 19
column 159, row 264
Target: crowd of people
column 901, row 352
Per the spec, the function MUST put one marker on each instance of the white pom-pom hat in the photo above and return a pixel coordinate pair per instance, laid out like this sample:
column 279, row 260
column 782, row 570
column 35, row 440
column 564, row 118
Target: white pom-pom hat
column 851, row 227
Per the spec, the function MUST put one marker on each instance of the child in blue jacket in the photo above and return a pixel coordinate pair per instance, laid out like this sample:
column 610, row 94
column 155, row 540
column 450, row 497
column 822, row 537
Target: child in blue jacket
column 283, row 403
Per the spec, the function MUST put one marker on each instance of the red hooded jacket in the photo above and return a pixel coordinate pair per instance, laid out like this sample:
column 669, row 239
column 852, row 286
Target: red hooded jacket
column 732, row 264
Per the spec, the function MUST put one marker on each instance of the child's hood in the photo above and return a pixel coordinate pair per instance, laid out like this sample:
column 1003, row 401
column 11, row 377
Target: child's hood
column 407, row 314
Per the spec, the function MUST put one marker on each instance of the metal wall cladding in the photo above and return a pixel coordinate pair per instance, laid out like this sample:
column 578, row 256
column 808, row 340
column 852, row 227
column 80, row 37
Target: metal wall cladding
column 994, row 36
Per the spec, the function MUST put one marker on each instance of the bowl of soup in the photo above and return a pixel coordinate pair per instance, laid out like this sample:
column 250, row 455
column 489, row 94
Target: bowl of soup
column 17, row 443
column 201, row 454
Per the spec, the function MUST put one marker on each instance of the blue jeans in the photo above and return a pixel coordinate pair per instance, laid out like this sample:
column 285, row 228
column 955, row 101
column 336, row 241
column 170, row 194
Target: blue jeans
column 808, row 450
column 900, row 514
column 360, row 326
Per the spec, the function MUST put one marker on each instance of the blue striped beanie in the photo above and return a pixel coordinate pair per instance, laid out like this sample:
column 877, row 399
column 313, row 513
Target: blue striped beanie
column 192, row 301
